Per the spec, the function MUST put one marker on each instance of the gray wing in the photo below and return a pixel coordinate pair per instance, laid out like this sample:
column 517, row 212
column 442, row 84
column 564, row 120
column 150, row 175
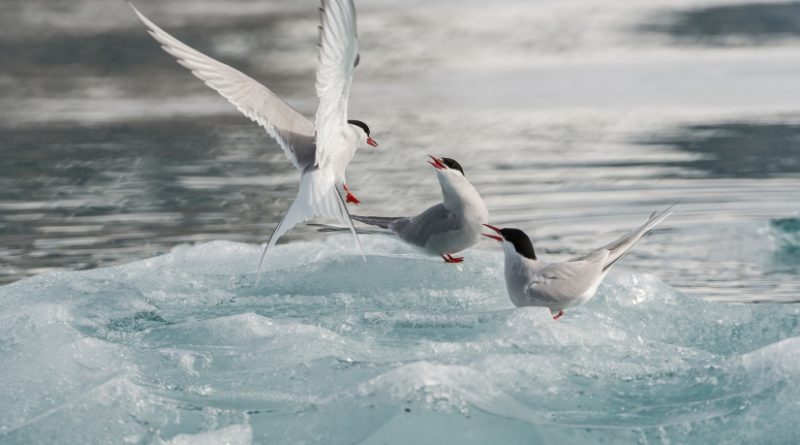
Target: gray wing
column 379, row 221
column 563, row 281
column 418, row 230
column 610, row 253
column 293, row 131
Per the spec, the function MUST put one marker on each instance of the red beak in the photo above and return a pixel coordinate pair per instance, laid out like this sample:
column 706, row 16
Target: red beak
column 494, row 237
column 372, row 142
column 496, row 229
column 437, row 163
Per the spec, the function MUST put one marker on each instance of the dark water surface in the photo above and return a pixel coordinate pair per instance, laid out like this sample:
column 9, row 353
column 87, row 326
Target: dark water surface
column 575, row 120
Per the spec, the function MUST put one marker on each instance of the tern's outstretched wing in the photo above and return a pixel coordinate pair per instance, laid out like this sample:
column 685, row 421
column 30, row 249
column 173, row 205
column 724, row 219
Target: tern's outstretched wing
column 293, row 131
column 338, row 56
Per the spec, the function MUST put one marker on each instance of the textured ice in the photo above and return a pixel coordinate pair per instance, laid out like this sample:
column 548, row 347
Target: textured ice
column 785, row 233
column 329, row 349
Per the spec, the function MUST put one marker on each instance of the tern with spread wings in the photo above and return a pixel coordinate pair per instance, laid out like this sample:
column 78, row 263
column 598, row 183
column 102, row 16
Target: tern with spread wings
column 321, row 151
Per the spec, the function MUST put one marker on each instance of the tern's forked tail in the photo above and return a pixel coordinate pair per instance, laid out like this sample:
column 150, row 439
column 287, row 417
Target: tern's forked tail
column 619, row 248
column 317, row 197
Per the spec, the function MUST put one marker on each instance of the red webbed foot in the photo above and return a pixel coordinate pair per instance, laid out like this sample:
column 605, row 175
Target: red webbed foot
column 452, row 259
column 350, row 198
column 558, row 315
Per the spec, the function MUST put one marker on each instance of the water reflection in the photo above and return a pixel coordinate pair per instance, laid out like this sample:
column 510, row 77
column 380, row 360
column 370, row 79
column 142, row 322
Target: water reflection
column 75, row 197
column 735, row 24
column 739, row 149
column 574, row 133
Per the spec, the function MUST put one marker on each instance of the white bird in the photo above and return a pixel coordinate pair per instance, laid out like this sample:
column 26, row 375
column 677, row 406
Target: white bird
column 559, row 286
column 445, row 228
column 321, row 151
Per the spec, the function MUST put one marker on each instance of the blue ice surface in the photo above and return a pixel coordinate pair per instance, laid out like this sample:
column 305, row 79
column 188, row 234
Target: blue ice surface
column 785, row 233
column 329, row 349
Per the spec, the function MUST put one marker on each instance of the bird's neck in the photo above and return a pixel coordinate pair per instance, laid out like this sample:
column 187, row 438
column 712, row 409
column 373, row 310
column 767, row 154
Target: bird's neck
column 515, row 259
column 459, row 195
column 517, row 266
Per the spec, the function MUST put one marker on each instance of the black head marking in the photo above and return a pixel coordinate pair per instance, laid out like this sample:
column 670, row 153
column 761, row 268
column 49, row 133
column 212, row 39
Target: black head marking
column 360, row 124
column 452, row 164
column 522, row 243
column 358, row 60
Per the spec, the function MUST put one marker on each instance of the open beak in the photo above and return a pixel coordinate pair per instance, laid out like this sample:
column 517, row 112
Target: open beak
column 494, row 237
column 372, row 142
column 437, row 163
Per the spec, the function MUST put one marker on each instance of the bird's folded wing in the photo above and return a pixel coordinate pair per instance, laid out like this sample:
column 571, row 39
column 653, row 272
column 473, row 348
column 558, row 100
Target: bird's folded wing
column 614, row 250
column 293, row 131
column 559, row 281
column 338, row 54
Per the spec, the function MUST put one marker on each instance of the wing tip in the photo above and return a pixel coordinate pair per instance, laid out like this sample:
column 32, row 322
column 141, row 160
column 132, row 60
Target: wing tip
column 139, row 14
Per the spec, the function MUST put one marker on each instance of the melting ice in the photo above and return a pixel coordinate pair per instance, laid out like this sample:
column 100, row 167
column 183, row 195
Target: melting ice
column 185, row 348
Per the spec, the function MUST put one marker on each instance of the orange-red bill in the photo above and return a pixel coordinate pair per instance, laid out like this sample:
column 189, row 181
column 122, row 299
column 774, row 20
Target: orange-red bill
column 372, row 142
column 494, row 237
column 437, row 163
column 496, row 229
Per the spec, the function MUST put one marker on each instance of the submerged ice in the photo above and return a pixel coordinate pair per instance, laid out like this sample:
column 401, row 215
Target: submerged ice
column 328, row 348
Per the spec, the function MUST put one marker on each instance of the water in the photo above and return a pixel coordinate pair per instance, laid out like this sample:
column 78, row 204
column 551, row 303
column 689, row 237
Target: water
column 574, row 119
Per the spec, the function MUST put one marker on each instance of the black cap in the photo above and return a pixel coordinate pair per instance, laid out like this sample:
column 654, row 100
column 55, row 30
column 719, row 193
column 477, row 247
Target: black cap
column 453, row 164
column 522, row 243
column 359, row 124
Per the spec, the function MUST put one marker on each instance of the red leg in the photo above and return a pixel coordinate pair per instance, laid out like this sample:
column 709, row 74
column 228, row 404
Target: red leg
column 558, row 315
column 351, row 198
column 452, row 259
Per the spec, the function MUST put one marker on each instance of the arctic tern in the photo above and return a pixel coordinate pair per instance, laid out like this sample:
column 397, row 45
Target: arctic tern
column 445, row 228
column 321, row 151
column 558, row 286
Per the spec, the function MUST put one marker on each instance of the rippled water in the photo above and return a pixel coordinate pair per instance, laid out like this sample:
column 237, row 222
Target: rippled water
column 574, row 119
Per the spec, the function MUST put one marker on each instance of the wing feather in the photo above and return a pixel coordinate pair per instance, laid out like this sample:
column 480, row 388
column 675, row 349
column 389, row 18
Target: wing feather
column 338, row 52
column 293, row 131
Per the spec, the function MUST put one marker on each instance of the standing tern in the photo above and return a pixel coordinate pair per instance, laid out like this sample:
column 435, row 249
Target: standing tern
column 558, row 286
column 321, row 151
column 445, row 228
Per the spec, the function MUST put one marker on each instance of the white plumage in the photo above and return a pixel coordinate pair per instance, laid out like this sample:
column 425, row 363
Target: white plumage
column 320, row 152
column 445, row 228
column 558, row 286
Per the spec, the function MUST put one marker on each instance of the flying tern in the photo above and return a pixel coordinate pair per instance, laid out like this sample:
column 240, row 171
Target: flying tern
column 320, row 150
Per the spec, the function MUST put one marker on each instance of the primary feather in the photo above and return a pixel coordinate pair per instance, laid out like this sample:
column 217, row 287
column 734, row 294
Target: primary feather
column 338, row 51
column 293, row 131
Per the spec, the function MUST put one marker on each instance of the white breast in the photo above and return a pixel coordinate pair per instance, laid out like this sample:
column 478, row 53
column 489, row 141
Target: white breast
column 347, row 145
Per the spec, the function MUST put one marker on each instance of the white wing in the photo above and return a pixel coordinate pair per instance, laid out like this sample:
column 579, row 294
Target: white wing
column 289, row 128
column 338, row 52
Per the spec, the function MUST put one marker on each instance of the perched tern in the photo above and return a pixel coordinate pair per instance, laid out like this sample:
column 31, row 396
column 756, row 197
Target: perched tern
column 321, row 151
column 445, row 228
column 558, row 286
